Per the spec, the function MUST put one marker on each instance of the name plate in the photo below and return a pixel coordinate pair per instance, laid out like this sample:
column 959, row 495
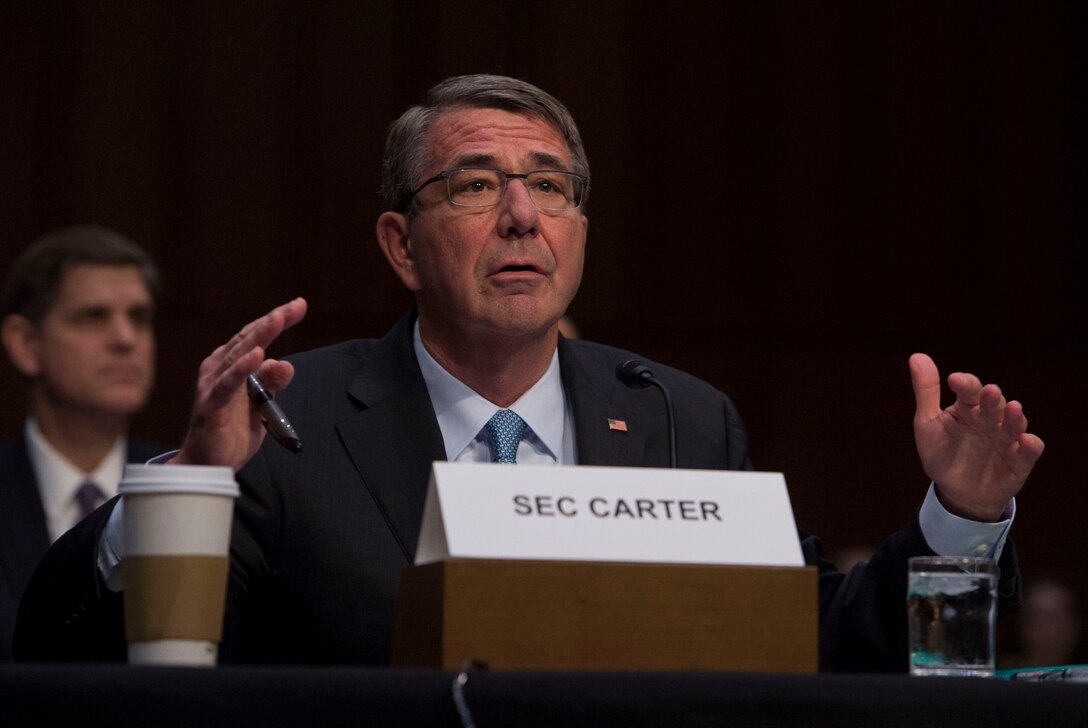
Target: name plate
column 589, row 513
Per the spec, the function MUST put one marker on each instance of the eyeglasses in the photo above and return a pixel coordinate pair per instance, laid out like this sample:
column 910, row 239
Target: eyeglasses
column 549, row 189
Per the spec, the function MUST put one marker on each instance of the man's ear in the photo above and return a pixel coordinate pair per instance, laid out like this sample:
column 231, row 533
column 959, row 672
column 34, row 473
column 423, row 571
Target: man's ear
column 21, row 343
column 392, row 231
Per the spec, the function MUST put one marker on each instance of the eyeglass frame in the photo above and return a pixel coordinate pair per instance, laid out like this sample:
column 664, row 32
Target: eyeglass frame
column 402, row 206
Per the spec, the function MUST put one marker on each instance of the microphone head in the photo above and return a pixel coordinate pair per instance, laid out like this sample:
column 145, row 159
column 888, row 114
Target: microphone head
column 634, row 374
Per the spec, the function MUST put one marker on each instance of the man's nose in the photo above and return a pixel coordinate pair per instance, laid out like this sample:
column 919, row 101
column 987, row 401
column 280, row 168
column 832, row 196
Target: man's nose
column 123, row 331
column 520, row 216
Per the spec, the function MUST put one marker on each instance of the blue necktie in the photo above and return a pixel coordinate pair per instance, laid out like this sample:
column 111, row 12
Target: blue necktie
column 506, row 430
column 88, row 496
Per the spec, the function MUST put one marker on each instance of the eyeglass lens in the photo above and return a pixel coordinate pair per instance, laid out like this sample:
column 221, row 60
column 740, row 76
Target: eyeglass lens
column 548, row 189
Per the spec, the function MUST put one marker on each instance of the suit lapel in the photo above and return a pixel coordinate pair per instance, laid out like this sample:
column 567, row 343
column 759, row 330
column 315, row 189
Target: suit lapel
column 394, row 440
column 24, row 536
column 595, row 398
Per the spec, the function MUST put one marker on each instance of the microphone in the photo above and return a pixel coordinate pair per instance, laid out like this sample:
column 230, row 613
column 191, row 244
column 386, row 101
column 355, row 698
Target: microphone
column 636, row 375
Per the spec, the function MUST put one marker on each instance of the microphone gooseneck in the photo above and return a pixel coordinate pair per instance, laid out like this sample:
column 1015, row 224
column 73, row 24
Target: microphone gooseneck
column 636, row 375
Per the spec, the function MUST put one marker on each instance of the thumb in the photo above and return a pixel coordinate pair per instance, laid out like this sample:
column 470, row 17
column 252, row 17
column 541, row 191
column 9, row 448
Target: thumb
column 276, row 374
column 926, row 381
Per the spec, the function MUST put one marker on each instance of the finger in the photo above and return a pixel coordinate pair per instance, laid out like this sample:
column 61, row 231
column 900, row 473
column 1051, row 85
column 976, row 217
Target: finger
column 926, row 381
column 294, row 311
column 214, row 361
column 259, row 332
column 1031, row 447
column 262, row 332
column 967, row 388
column 226, row 356
column 229, row 381
column 211, row 369
column 992, row 403
column 278, row 320
column 275, row 374
column 1015, row 423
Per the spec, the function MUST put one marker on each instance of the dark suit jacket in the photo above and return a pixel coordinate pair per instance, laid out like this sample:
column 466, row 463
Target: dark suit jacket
column 24, row 536
column 320, row 537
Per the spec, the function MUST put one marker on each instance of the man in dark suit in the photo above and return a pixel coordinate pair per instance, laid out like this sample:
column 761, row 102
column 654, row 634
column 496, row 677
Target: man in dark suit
column 76, row 311
column 486, row 184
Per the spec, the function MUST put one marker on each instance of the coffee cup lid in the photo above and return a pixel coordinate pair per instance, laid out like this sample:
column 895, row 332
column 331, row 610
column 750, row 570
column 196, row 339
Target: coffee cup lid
column 202, row 479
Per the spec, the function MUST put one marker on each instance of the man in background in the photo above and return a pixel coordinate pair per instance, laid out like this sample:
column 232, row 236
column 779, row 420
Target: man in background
column 1049, row 630
column 77, row 311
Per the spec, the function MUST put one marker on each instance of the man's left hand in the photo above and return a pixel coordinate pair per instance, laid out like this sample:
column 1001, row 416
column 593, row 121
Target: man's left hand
column 978, row 451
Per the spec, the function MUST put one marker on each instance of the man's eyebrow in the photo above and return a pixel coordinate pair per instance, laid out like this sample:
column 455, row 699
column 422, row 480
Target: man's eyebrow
column 539, row 160
column 474, row 160
column 543, row 160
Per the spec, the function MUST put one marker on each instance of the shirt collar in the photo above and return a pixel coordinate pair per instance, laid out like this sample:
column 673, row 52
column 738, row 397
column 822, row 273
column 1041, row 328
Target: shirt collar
column 58, row 479
column 462, row 413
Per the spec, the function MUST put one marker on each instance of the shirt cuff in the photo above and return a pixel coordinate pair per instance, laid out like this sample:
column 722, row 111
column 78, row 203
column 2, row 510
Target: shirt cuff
column 949, row 535
column 111, row 548
column 161, row 459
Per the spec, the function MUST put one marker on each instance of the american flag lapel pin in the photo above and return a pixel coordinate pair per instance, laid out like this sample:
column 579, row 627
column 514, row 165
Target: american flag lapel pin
column 618, row 425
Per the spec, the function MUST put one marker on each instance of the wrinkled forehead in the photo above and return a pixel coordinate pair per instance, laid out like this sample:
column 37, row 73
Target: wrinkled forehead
column 473, row 136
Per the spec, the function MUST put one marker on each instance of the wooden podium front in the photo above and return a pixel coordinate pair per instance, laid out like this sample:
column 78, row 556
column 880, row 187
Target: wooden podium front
column 565, row 615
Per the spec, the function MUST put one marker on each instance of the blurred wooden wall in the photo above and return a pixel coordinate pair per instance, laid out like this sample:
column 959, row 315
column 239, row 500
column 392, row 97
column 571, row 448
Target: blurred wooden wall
column 788, row 199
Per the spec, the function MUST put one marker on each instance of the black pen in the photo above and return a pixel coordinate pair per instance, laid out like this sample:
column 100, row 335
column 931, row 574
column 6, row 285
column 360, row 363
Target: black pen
column 275, row 421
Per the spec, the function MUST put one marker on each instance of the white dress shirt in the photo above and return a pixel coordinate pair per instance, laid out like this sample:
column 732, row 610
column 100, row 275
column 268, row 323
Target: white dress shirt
column 58, row 479
column 462, row 414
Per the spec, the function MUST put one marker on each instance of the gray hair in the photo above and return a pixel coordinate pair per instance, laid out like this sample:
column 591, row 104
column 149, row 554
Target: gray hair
column 405, row 145
column 33, row 281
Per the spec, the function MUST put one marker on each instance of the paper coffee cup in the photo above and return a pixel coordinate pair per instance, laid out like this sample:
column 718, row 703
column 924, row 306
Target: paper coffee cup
column 176, row 526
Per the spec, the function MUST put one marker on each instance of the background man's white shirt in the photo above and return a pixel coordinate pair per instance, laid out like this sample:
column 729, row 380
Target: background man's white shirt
column 58, row 479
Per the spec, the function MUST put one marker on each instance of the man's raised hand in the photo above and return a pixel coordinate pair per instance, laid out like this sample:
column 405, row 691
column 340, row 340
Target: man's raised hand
column 978, row 450
column 224, row 428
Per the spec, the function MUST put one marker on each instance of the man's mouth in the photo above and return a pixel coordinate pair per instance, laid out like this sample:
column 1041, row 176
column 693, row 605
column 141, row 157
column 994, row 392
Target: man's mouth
column 122, row 372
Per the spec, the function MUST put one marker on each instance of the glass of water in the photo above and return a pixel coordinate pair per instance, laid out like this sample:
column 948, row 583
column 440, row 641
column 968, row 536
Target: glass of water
column 951, row 606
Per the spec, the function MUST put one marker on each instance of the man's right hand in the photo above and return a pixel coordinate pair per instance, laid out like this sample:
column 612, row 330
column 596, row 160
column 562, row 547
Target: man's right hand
column 225, row 429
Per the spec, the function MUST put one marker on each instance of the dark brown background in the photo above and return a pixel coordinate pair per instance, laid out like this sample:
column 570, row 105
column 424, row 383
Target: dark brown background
column 788, row 199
